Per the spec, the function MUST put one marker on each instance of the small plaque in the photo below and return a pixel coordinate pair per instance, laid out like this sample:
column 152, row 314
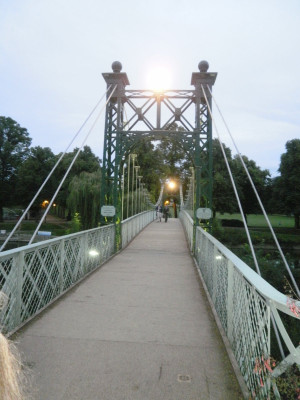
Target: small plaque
column 44, row 233
column 108, row 211
column 204, row 213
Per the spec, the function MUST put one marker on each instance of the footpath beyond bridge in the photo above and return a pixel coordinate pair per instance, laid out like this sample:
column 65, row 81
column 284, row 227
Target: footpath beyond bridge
column 139, row 328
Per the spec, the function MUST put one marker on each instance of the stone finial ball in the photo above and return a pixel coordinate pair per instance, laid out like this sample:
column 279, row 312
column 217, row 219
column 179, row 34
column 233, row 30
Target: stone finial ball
column 203, row 66
column 116, row 66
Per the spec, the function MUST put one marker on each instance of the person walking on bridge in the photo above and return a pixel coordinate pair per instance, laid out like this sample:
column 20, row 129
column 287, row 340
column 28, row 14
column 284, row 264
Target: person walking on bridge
column 158, row 212
column 166, row 212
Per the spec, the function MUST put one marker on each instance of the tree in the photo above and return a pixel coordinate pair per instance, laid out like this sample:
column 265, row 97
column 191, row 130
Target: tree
column 290, row 179
column 14, row 149
column 260, row 179
column 86, row 161
column 84, row 198
column 31, row 175
column 174, row 155
column 223, row 195
column 151, row 161
column 176, row 160
column 274, row 203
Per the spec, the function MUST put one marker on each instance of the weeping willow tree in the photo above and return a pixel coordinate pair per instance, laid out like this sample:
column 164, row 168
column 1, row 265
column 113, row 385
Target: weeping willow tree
column 84, row 198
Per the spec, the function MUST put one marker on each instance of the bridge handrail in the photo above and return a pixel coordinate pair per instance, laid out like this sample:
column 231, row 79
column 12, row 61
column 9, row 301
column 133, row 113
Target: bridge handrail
column 33, row 276
column 134, row 224
column 262, row 286
column 188, row 224
column 244, row 303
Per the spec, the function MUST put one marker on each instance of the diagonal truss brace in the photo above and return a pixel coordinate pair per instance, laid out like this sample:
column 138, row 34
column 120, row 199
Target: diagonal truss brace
column 132, row 115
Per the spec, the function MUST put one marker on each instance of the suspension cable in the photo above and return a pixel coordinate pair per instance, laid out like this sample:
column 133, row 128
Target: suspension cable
column 244, row 220
column 70, row 166
column 234, row 187
column 181, row 196
column 259, row 200
column 160, row 195
column 50, row 174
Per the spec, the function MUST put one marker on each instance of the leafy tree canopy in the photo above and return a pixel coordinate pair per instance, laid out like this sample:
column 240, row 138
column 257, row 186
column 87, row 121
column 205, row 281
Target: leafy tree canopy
column 86, row 161
column 84, row 198
column 32, row 173
column 259, row 177
column 223, row 195
column 14, row 149
column 289, row 182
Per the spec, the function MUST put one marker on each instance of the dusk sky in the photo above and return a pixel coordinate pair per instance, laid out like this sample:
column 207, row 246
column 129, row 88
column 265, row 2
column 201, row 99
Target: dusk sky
column 52, row 55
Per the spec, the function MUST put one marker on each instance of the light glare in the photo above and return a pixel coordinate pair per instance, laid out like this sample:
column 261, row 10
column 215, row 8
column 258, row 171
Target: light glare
column 159, row 79
column 93, row 253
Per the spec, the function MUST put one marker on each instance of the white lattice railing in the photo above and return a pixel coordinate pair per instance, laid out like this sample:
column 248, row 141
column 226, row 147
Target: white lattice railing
column 133, row 225
column 244, row 303
column 33, row 276
column 188, row 224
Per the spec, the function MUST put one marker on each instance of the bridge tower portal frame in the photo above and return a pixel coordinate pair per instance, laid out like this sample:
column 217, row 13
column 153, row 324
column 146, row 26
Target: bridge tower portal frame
column 122, row 134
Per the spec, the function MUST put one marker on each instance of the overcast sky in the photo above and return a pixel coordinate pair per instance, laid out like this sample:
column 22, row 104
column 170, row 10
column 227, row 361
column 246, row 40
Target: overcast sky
column 53, row 52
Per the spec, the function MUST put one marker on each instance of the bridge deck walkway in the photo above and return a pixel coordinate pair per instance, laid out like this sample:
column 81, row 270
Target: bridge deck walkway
column 138, row 328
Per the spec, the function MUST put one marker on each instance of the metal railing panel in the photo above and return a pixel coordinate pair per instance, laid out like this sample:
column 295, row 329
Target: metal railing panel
column 133, row 225
column 188, row 224
column 33, row 276
column 244, row 302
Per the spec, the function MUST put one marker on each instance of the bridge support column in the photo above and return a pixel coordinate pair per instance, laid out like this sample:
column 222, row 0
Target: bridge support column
column 203, row 141
column 113, row 142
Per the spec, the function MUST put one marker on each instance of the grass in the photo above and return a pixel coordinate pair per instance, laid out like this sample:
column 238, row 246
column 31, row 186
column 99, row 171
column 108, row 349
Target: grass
column 283, row 225
column 56, row 228
column 258, row 220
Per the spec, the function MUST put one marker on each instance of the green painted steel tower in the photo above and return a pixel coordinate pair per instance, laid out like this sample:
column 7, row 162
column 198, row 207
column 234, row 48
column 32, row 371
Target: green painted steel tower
column 135, row 114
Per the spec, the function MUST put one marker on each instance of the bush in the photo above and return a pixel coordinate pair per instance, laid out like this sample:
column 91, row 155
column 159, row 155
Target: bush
column 75, row 224
column 288, row 383
column 217, row 229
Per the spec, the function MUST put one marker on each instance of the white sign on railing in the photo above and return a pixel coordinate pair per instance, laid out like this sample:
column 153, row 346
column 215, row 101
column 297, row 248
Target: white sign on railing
column 204, row 213
column 108, row 211
column 44, row 233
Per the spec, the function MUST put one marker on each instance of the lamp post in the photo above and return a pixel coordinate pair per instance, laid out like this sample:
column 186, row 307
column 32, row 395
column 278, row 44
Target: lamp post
column 139, row 200
column 137, row 167
column 142, row 195
column 193, row 186
column 173, row 185
column 128, row 178
column 133, row 156
column 123, row 187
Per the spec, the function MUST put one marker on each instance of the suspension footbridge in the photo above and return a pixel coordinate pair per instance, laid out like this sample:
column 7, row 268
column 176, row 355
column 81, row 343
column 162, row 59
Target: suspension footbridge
column 142, row 326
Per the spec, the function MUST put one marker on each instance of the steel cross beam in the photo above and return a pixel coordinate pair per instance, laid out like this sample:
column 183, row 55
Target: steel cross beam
column 135, row 114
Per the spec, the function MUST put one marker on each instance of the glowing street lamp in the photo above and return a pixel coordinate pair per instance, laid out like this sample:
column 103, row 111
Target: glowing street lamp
column 45, row 203
column 172, row 185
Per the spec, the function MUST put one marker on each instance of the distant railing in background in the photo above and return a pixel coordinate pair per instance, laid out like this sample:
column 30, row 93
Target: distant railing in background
column 188, row 224
column 34, row 276
column 133, row 225
column 244, row 303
